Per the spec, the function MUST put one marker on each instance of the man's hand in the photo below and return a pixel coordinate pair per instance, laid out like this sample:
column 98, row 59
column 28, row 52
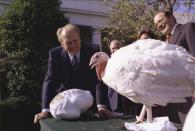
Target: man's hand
column 40, row 116
column 104, row 113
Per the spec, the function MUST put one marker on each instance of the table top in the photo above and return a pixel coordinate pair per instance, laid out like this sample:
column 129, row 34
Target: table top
column 88, row 124
column 51, row 124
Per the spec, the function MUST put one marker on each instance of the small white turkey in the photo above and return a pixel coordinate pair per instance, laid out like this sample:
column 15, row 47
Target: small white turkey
column 148, row 71
column 69, row 104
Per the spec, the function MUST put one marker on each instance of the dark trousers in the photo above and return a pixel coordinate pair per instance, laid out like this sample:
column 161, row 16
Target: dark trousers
column 175, row 111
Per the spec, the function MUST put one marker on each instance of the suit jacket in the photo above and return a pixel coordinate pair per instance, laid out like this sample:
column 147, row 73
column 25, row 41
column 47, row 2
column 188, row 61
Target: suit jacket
column 60, row 75
column 184, row 35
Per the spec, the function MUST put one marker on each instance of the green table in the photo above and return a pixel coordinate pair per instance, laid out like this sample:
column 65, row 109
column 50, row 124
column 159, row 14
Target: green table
column 51, row 124
column 86, row 123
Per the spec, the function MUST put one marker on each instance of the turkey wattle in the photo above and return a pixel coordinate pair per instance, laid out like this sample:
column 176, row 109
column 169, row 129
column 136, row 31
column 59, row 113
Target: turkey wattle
column 150, row 72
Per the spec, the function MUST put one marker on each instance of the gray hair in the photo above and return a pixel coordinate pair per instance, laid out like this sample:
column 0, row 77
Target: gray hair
column 67, row 27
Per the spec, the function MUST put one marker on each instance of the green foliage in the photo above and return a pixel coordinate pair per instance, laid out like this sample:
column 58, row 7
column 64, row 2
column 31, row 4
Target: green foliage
column 130, row 16
column 127, row 18
column 27, row 32
column 172, row 5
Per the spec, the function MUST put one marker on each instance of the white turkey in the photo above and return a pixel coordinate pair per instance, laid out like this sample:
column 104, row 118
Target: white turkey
column 189, row 122
column 148, row 71
column 69, row 104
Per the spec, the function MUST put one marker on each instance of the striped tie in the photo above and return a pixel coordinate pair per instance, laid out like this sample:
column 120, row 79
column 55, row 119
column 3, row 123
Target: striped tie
column 75, row 63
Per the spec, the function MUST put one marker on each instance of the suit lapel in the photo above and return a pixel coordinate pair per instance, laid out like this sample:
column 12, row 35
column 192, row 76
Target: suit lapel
column 176, row 33
column 66, row 66
column 65, row 58
column 65, row 69
column 83, row 56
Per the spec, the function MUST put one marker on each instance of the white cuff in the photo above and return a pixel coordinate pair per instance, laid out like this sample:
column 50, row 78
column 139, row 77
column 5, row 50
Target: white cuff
column 45, row 110
column 101, row 106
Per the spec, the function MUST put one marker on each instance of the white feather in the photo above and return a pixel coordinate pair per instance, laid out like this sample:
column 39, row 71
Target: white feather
column 151, row 72
column 189, row 122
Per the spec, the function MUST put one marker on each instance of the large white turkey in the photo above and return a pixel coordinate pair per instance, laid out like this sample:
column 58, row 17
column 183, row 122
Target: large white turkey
column 148, row 71
column 189, row 122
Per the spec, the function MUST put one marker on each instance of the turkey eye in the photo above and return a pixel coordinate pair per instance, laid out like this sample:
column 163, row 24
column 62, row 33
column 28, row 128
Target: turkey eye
column 97, row 56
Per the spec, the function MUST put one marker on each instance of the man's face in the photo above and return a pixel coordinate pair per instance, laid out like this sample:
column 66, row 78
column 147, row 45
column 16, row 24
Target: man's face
column 114, row 46
column 163, row 24
column 71, row 41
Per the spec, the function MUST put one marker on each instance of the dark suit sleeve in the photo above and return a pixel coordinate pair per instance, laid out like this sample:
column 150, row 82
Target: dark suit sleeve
column 50, row 82
column 102, row 94
column 190, row 38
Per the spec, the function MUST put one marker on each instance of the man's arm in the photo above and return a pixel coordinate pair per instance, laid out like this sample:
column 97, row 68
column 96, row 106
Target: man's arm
column 102, row 100
column 102, row 94
column 49, row 89
column 50, row 83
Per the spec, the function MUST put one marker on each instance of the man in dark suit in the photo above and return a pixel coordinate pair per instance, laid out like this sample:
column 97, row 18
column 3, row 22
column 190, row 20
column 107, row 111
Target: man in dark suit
column 68, row 68
column 182, row 35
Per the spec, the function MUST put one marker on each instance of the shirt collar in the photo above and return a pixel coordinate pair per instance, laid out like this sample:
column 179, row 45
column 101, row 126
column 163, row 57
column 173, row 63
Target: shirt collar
column 72, row 55
column 173, row 30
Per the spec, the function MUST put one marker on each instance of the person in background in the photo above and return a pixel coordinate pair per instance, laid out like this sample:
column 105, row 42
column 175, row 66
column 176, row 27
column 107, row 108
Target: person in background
column 178, row 34
column 181, row 35
column 145, row 33
column 68, row 68
column 114, row 46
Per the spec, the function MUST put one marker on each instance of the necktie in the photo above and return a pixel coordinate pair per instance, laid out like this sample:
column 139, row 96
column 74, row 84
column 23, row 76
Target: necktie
column 75, row 62
column 75, row 82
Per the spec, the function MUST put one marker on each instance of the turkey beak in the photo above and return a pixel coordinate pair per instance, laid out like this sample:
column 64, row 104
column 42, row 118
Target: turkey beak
column 93, row 63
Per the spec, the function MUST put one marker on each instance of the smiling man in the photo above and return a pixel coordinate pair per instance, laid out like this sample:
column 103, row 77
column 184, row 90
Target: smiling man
column 182, row 35
column 179, row 34
column 164, row 22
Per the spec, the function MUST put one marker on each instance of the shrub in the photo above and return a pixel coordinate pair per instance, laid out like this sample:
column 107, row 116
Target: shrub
column 27, row 32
